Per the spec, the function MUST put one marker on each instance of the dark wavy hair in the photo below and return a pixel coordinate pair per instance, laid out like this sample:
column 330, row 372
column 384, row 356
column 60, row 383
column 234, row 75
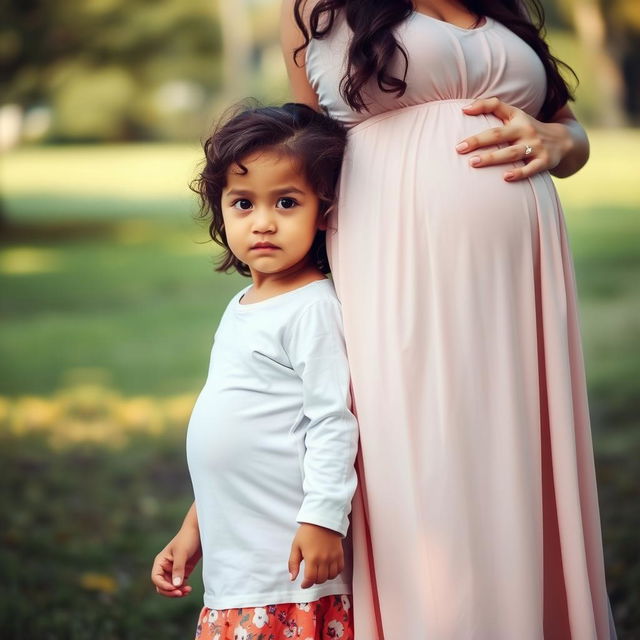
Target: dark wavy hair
column 314, row 140
column 373, row 45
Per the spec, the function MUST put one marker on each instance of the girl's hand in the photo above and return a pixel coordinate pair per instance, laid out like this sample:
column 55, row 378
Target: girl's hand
column 173, row 565
column 321, row 550
column 541, row 145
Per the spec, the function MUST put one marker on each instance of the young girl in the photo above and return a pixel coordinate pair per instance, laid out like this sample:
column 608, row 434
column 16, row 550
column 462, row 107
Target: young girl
column 271, row 442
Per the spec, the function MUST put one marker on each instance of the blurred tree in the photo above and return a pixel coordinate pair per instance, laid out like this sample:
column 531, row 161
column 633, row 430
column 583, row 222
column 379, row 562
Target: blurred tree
column 609, row 34
column 111, row 69
column 140, row 69
column 236, row 47
column 591, row 29
column 623, row 19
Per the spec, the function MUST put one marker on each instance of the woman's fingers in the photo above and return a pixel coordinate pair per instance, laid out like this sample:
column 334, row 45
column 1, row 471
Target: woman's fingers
column 495, row 136
column 514, row 153
column 520, row 173
column 521, row 138
column 500, row 109
column 517, row 127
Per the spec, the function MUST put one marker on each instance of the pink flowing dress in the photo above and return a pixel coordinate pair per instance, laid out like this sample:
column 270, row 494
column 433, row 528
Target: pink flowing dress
column 477, row 516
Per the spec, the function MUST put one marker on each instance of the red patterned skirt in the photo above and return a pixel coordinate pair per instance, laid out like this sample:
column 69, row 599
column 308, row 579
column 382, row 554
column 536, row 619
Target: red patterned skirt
column 328, row 618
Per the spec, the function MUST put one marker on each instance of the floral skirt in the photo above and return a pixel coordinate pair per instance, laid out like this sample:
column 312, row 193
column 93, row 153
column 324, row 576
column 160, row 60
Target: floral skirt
column 325, row 619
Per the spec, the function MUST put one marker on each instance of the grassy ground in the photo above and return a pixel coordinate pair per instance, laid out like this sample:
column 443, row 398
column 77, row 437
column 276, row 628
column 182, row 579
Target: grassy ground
column 108, row 307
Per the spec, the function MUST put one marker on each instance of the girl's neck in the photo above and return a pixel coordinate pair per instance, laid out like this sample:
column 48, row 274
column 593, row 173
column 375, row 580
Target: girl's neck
column 274, row 284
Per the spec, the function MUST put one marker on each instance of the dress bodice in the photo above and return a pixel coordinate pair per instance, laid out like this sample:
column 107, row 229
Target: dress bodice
column 446, row 62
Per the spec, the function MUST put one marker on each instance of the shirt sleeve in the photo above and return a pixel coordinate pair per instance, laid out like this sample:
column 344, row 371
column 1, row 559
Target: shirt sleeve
column 317, row 353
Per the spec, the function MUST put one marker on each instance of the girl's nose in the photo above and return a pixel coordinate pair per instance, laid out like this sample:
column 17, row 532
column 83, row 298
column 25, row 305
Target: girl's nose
column 263, row 222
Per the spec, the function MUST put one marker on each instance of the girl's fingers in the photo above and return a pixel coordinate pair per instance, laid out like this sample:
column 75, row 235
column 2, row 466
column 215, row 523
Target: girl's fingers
column 310, row 575
column 334, row 570
column 323, row 573
column 177, row 571
column 174, row 593
column 295, row 558
column 513, row 153
column 161, row 574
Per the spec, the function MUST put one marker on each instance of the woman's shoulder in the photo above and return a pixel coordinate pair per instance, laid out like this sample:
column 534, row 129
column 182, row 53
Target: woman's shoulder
column 288, row 22
column 306, row 7
column 293, row 43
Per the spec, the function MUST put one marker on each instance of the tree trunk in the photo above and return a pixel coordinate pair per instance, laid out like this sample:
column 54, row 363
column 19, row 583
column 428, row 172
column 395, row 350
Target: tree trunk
column 591, row 30
column 236, row 48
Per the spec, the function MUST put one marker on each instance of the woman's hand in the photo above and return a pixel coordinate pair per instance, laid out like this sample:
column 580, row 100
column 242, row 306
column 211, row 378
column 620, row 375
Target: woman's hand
column 322, row 552
column 173, row 565
column 560, row 146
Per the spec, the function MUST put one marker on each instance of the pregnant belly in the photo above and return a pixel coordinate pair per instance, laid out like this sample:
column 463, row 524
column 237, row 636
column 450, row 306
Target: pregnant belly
column 438, row 264
column 403, row 178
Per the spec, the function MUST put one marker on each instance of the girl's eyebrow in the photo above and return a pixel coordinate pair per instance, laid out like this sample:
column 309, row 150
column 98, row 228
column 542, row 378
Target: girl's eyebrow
column 245, row 193
column 287, row 190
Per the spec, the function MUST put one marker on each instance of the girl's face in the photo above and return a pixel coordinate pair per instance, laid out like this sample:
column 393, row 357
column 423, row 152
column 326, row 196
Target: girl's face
column 270, row 214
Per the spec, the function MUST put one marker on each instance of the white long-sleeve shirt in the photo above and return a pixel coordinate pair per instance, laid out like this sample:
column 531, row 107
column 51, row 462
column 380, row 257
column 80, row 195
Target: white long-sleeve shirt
column 271, row 443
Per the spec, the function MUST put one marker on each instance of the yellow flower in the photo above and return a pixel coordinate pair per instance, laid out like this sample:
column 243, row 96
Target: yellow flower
column 177, row 409
column 5, row 410
column 24, row 260
column 94, row 414
column 31, row 413
column 140, row 414
column 98, row 582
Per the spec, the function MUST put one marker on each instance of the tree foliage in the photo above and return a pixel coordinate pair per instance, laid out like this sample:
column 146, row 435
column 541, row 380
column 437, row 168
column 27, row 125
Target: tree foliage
column 109, row 68
column 82, row 70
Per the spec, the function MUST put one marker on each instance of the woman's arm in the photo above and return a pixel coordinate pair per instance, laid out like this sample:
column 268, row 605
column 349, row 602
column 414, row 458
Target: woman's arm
column 576, row 143
column 290, row 39
column 560, row 146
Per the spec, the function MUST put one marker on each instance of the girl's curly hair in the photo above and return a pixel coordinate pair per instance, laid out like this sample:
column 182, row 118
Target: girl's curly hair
column 316, row 141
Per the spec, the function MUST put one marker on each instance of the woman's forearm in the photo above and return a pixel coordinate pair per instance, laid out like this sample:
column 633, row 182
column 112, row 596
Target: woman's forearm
column 577, row 147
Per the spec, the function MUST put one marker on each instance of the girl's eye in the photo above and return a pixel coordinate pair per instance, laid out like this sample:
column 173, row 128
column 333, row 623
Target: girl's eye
column 286, row 203
column 242, row 204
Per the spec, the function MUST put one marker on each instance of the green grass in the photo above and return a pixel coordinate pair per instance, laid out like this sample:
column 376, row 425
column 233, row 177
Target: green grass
column 102, row 267
column 144, row 312
column 88, row 512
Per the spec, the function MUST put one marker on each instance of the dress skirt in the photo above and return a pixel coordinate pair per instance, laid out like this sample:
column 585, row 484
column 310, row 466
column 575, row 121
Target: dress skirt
column 477, row 516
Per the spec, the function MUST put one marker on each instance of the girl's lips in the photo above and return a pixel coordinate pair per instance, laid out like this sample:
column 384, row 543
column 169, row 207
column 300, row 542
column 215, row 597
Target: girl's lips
column 264, row 245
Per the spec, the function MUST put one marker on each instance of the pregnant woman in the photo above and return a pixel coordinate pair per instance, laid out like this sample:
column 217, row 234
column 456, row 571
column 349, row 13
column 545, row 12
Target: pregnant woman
column 478, row 515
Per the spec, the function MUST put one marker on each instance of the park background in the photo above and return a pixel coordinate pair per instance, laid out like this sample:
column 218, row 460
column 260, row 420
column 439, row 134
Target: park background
column 109, row 299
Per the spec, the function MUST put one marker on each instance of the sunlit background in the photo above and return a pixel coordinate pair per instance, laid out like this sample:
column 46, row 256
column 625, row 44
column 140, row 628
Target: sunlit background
column 109, row 299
